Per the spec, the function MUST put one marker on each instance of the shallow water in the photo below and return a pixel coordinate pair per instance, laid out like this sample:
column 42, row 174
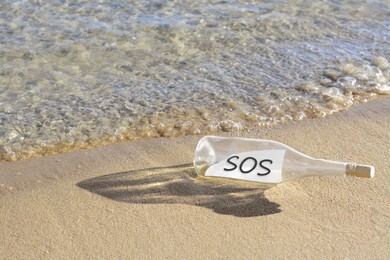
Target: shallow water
column 76, row 74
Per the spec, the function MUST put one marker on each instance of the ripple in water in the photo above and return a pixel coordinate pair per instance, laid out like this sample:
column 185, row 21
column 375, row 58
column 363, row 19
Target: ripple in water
column 80, row 74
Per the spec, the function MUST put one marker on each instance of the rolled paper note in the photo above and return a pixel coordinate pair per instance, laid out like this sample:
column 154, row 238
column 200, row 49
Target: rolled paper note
column 265, row 161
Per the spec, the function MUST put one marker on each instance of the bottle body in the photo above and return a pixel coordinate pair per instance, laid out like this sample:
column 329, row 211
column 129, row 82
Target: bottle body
column 242, row 155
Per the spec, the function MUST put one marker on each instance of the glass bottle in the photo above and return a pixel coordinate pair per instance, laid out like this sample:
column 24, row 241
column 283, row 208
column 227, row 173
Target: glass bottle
column 265, row 161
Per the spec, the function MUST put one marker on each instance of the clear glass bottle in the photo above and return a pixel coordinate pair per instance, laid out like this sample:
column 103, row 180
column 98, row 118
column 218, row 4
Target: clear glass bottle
column 226, row 152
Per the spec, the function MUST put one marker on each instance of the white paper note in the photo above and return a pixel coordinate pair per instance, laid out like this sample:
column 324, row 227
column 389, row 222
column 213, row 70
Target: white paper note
column 260, row 166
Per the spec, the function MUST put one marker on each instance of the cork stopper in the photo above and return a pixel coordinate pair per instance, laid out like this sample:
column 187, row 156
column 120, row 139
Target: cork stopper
column 362, row 171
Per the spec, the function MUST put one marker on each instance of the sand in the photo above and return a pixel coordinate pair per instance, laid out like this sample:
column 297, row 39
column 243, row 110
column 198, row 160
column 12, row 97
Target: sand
column 142, row 200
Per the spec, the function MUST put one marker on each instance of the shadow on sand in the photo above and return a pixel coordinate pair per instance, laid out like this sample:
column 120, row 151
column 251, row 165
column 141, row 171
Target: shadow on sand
column 179, row 184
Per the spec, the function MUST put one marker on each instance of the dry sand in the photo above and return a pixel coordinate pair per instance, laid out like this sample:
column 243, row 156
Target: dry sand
column 141, row 200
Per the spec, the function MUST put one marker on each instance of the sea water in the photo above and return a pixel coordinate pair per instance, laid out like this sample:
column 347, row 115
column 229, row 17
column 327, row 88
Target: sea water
column 77, row 74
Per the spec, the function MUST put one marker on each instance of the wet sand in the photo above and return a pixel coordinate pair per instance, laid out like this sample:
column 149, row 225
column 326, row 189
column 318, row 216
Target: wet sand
column 142, row 200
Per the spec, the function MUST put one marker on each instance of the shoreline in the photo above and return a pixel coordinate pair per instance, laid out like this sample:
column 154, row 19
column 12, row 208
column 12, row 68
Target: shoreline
column 141, row 199
column 127, row 134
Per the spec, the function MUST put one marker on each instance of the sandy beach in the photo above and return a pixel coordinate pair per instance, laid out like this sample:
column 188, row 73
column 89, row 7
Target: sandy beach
column 142, row 200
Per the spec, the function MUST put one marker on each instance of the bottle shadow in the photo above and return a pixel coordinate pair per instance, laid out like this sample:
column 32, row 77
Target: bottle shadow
column 180, row 185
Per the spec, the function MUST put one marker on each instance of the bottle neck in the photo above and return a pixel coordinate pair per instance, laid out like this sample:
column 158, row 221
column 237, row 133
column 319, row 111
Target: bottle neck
column 314, row 167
